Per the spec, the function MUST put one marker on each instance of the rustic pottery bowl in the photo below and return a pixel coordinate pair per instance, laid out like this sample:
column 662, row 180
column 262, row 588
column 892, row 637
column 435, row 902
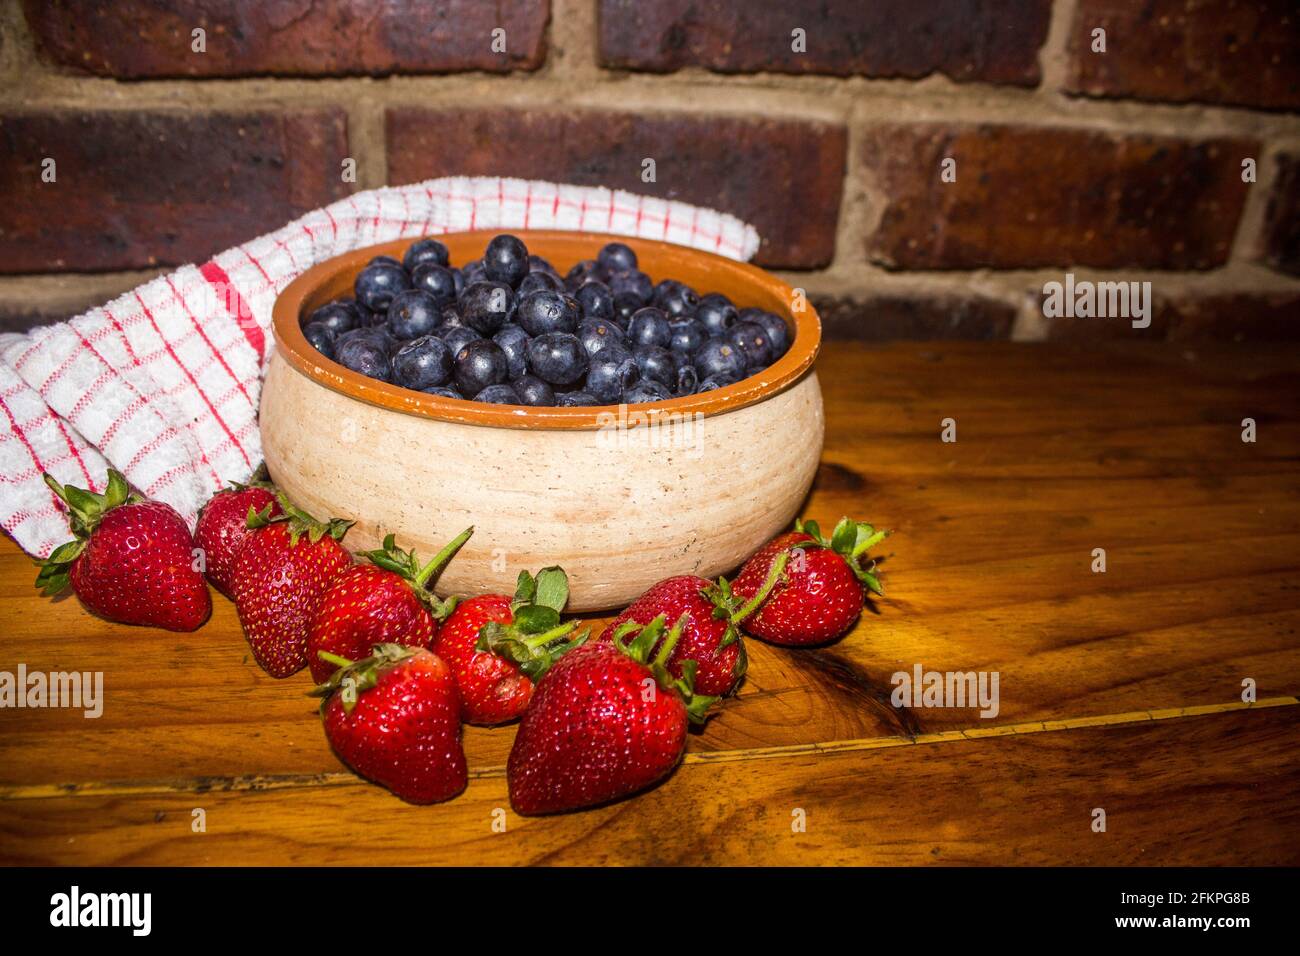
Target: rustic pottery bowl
column 620, row 498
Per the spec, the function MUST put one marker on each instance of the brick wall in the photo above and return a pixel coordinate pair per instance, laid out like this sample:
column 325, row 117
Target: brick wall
column 1122, row 165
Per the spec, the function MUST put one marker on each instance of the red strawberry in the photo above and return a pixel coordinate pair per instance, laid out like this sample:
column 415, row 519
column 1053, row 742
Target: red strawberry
column 223, row 527
column 131, row 560
column 821, row 592
column 394, row 718
column 387, row 602
column 280, row 575
column 605, row 722
column 709, row 636
column 498, row 647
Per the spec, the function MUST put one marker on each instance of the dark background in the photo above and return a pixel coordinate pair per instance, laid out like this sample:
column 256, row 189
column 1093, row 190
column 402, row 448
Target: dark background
column 1122, row 165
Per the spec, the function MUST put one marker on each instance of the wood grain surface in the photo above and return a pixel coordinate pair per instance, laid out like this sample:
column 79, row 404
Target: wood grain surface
column 1120, row 691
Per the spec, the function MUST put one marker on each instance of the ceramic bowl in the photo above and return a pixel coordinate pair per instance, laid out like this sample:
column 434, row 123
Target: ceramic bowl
column 619, row 497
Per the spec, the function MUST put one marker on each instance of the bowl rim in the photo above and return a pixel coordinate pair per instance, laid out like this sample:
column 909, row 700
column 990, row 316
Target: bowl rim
column 293, row 346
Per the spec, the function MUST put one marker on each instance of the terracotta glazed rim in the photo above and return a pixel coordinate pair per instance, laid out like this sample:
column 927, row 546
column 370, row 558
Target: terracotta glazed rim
column 304, row 293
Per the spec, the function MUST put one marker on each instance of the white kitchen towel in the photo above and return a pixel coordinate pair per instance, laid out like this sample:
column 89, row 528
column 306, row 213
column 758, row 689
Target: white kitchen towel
column 163, row 381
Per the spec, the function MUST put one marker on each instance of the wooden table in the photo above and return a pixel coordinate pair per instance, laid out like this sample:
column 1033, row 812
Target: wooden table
column 1119, row 690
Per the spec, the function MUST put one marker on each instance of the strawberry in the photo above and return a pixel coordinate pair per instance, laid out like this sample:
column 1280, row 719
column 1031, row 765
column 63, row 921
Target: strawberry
column 499, row 647
column 131, row 560
column 606, row 721
column 280, row 575
column 820, row 594
column 394, row 718
column 223, row 527
column 385, row 602
column 709, row 637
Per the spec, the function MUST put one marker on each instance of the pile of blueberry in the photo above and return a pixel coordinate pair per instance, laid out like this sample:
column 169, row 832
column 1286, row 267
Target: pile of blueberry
column 508, row 329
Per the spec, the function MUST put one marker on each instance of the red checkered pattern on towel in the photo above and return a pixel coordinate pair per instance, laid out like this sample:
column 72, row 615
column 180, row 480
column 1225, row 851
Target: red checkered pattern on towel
column 163, row 382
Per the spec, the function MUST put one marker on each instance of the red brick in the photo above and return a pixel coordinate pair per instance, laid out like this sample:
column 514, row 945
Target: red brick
column 135, row 190
column 920, row 315
column 1027, row 196
column 1244, row 53
column 784, row 176
column 1282, row 220
column 1111, row 328
column 1191, row 317
column 147, row 38
column 995, row 41
column 1234, row 317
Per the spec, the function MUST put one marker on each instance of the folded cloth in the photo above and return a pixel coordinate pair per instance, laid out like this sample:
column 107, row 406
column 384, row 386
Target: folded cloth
column 163, row 382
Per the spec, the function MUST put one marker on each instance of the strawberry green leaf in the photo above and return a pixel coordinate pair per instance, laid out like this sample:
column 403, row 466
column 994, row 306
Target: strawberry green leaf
column 552, row 588
column 844, row 536
column 525, row 590
column 117, row 491
column 536, row 618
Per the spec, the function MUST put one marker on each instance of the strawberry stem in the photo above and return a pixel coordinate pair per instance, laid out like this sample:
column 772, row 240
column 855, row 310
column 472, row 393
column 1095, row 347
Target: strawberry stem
column 554, row 634
column 335, row 659
column 674, row 634
column 773, row 575
column 442, row 558
column 354, row 677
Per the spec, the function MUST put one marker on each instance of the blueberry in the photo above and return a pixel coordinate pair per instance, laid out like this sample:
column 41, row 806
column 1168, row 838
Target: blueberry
column 716, row 314
column 539, row 282
column 422, row 363
column 709, row 385
column 596, row 335
column 778, row 333
column 377, row 284
column 719, row 359
column 610, row 374
column 478, row 364
column 321, row 337
column 687, row 336
column 538, row 264
column 442, row 391
column 575, row 399
column 458, row 338
column 438, row 281
column 376, row 336
column 459, row 278
column 506, row 260
column 365, row 354
column 502, row 394
column 675, row 298
column 383, row 261
column 533, row 391
column 649, row 326
column 451, row 319
column 338, row 316
column 413, row 313
column 625, row 306
column 369, row 319
column 634, row 282
column 583, row 271
column 687, row 380
column 513, row 341
column 557, row 357
column 473, row 272
column 542, row 312
column 616, row 257
column 656, row 364
column 486, row 306
column 646, row 391
column 750, row 339
column 425, row 251
column 596, row 300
